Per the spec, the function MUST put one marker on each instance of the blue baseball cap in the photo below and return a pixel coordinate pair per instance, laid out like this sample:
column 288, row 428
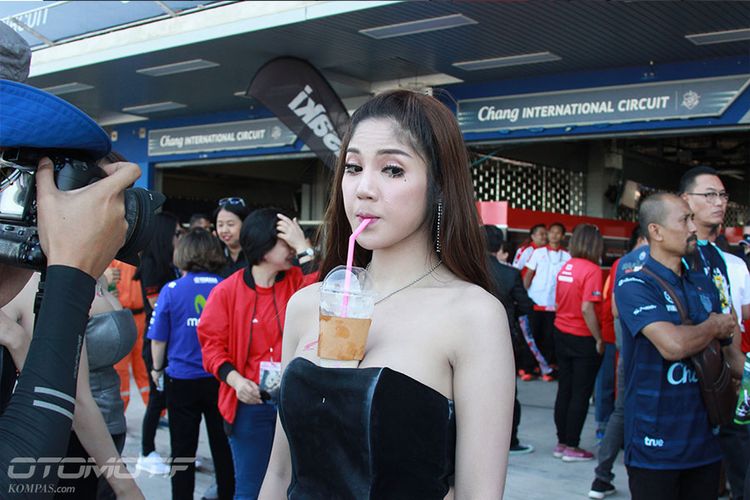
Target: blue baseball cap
column 33, row 118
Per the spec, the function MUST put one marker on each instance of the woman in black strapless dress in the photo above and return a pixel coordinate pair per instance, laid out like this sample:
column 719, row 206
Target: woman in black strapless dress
column 428, row 412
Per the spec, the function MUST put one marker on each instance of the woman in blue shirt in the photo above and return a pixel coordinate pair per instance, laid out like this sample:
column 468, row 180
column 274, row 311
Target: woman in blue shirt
column 190, row 390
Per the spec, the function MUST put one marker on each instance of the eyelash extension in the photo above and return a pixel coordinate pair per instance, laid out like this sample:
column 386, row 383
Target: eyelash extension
column 394, row 171
column 351, row 168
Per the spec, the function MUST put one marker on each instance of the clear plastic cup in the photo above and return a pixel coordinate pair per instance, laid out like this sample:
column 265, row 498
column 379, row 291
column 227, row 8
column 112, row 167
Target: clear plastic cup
column 345, row 318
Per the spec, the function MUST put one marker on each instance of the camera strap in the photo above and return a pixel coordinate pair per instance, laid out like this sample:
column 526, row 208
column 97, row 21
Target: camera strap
column 39, row 295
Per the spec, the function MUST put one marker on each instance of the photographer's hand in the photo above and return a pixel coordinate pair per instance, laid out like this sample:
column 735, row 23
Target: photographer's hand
column 83, row 228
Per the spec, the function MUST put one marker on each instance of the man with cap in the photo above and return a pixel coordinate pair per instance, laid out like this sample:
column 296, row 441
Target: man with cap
column 79, row 233
column 15, row 55
column 15, row 59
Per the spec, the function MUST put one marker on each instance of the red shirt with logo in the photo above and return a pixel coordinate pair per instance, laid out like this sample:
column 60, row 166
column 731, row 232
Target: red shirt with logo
column 607, row 318
column 579, row 281
column 266, row 327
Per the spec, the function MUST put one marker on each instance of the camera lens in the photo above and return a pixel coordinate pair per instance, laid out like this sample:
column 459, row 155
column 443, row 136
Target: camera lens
column 140, row 208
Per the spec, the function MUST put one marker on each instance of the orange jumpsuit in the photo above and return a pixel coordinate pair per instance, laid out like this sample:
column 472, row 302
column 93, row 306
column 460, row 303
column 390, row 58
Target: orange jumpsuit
column 131, row 297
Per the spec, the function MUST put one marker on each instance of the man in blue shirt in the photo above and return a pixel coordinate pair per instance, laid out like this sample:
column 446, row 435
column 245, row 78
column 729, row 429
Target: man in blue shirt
column 671, row 451
column 707, row 198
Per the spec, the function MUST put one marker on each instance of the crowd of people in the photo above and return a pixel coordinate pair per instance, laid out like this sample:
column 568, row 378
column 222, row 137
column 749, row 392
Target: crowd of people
column 624, row 341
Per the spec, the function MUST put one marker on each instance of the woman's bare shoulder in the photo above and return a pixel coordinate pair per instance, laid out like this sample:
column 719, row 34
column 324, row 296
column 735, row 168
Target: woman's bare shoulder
column 468, row 295
column 305, row 298
column 301, row 313
column 470, row 308
column 302, row 305
column 476, row 302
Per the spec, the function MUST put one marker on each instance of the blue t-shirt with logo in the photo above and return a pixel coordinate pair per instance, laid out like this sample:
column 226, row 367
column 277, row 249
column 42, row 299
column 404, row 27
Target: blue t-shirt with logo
column 631, row 261
column 666, row 424
column 175, row 320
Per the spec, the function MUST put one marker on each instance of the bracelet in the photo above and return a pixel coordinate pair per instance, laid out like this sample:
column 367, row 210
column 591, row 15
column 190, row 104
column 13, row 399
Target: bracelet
column 157, row 370
column 725, row 342
column 309, row 252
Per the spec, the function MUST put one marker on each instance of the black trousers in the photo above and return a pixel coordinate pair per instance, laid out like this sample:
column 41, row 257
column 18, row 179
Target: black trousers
column 734, row 440
column 578, row 363
column 157, row 402
column 516, row 420
column 89, row 486
column 104, row 490
column 698, row 483
column 187, row 401
column 542, row 328
column 82, row 487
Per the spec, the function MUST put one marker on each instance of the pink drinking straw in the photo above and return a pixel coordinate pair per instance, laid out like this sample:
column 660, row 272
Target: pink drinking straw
column 350, row 262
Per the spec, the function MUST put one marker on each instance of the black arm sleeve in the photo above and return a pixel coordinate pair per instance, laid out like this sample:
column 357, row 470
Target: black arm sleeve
column 38, row 419
column 224, row 370
column 524, row 305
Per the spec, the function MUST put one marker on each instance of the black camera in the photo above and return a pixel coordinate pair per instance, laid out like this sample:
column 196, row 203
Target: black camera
column 19, row 239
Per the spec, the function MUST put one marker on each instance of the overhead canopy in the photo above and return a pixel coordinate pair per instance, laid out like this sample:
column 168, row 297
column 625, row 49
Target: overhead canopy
column 56, row 22
column 226, row 42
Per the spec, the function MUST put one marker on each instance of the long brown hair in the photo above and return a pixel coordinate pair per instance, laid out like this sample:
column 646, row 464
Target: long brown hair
column 435, row 135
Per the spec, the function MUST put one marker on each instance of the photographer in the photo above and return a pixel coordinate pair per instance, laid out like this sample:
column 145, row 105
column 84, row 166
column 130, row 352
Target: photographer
column 38, row 419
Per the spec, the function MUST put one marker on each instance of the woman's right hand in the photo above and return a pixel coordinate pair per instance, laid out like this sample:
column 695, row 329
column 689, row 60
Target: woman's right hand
column 247, row 390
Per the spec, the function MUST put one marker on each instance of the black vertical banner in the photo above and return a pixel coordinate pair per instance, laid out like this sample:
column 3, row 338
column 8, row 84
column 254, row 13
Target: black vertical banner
column 303, row 100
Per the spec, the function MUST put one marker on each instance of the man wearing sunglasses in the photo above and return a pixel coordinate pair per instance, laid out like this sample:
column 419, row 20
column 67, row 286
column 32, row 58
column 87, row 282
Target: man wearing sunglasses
column 707, row 198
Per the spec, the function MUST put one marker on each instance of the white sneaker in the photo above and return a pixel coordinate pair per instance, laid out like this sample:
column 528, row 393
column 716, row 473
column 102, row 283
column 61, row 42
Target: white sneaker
column 153, row 464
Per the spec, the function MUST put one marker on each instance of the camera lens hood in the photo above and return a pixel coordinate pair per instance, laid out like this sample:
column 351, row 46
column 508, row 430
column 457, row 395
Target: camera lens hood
column 140, row 208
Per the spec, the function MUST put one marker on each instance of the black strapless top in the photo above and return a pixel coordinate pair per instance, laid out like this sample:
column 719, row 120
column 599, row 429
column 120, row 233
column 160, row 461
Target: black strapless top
column 369, row 433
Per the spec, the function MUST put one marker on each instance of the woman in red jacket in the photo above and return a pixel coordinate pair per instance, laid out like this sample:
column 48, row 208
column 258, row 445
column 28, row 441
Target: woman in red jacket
column 578, row 339
column 240, row 333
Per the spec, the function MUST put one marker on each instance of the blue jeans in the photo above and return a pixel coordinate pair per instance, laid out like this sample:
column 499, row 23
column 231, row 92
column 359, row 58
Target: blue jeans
column 251, row 440
column 604, row 391
column 614, row 436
